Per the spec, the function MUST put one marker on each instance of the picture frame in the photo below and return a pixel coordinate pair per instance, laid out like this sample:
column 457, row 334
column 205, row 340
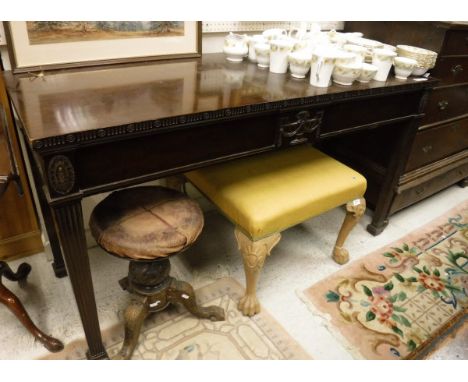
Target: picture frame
column 48, row 45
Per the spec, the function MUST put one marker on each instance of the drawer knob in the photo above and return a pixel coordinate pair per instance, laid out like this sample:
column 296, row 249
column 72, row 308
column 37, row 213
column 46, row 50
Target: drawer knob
column 443, row 105
column 457, row 69
column 427, row 149
column 419, row 190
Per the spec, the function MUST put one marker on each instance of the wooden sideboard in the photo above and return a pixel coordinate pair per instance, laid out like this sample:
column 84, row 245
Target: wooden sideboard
column 439, row 153
column 96, row 130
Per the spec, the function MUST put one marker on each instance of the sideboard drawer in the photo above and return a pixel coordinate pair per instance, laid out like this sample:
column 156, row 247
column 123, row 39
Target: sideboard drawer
column 445, row 103
column 456, row 42
column 348, row 115
column 423, row 190
column 437, row 143
column 177, row 149
column 451, row 70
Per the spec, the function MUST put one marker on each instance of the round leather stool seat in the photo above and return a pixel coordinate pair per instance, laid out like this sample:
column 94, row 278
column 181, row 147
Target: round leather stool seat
column 146, row 223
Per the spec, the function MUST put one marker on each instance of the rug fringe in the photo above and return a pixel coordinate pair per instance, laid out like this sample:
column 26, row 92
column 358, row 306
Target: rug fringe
column 325, row 321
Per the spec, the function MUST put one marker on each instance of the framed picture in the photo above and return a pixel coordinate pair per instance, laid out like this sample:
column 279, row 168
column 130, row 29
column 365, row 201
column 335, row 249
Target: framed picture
column 41, row 45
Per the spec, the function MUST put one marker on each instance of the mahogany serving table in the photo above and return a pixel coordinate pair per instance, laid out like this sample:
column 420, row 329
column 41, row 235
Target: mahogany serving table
column 93, row 130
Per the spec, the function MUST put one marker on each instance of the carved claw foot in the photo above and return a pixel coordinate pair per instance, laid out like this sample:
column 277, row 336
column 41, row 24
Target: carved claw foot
column 182, row 292
column 253, row 254
column 340, row 255
column 249, row 305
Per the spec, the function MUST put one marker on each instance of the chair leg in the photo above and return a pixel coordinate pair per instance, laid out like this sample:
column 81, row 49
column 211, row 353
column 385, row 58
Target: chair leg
column 20, row 275
column 253, row 254
column 354, row 210
column 134, row 316
column 16, row 307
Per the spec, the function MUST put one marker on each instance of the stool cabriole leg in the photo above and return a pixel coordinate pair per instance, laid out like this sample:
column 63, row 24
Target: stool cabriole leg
column 253, row 254
column 354, row 210
column 134, row 316
column 182, row 292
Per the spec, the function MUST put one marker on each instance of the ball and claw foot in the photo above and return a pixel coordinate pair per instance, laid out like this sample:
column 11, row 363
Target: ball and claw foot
column 249, row 305
column 340, row 255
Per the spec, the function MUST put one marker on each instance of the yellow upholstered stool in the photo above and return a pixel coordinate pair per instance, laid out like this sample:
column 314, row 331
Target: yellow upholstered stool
column 265, row 194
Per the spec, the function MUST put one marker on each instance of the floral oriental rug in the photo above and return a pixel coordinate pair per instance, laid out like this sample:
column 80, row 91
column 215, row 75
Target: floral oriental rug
column 400, row 301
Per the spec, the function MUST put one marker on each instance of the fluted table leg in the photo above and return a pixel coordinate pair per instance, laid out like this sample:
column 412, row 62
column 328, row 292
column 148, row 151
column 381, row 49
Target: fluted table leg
column 69, row 220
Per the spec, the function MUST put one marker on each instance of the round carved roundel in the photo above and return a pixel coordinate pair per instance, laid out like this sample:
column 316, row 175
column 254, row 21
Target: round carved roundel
column 61, row 174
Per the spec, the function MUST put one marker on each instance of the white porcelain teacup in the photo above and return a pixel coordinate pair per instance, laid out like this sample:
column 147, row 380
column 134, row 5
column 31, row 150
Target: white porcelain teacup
column 338, row 39
column 403, row 67
column 302, row 45
column 389, row 47
column 368, row 72
column 279, row 51
column 383, row 59
column 419, row 71
column 345, row 74
column 322, row 63
column 252, row 41
column 344, row 57
column 262, row 53
column 299, row 63
column 235, row 47
column 359, row 51
column 275, row 34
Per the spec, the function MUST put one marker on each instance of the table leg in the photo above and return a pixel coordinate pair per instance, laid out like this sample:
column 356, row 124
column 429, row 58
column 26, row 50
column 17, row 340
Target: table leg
column 58, row 265
column 406, row 134
column 69, row 222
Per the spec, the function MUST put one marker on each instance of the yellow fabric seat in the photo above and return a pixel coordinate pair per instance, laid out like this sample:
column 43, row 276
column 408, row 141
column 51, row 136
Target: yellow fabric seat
column 270, row 192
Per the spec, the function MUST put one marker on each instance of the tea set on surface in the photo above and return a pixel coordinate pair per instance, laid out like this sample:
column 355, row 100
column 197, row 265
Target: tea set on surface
column 329, row 57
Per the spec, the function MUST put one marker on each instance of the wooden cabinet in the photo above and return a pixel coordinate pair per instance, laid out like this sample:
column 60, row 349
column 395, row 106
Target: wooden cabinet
column 439, row 154
column 20, row 234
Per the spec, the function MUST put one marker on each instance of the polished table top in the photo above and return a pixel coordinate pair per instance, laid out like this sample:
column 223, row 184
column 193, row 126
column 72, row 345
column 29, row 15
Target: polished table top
column 67, row 102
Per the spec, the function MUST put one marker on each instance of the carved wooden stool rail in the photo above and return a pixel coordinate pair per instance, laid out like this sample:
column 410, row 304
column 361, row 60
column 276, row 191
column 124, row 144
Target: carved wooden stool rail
column 268, row 193
column 146, row 225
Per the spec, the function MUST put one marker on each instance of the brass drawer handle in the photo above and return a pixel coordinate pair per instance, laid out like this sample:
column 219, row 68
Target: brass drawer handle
column 443, row 105
column 457, row 69
column 427, row 148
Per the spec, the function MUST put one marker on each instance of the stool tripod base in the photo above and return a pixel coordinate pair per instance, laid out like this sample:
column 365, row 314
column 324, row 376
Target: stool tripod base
column 150, row 299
